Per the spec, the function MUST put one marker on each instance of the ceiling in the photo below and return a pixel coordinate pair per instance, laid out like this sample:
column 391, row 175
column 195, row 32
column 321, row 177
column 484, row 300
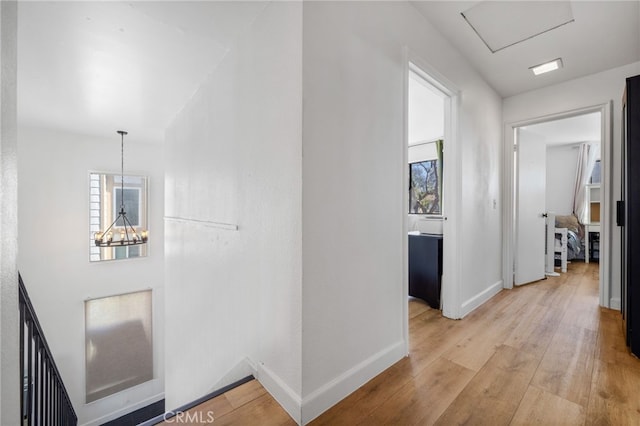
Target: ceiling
column 96, row 67
column 570, row 130
column 602, row 35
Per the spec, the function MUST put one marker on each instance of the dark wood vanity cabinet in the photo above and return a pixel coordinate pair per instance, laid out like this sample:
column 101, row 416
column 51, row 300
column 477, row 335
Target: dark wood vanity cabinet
column 425, row 268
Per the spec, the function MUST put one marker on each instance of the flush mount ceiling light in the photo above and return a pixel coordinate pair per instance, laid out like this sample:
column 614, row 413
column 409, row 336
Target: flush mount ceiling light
column 547, row 66
column 128, row 236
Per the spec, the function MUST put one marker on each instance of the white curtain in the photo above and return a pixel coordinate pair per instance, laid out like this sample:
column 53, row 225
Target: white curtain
column 586, row 161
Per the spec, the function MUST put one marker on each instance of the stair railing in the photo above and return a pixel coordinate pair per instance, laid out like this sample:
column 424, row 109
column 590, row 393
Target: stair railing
column 44, row 400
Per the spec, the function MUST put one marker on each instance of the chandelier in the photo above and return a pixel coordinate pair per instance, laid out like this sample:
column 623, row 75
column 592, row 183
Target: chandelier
column 128, row 236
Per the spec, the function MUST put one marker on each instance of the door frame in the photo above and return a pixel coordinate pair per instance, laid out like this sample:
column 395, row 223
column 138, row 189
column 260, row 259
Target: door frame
column 509, row 207
column 452, row 184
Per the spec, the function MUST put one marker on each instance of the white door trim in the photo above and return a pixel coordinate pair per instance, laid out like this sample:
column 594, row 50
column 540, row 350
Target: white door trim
column 509, row 208
column 451, row 285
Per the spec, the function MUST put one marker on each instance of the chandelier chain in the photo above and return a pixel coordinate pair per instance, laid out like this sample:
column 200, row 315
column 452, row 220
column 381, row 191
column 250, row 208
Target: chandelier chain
column 122, row 170
column 128, row 234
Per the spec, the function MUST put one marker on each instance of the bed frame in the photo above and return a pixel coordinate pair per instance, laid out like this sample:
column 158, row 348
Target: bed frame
column 552, row 248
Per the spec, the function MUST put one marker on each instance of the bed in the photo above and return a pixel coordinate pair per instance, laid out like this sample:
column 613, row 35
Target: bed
column 575, row 236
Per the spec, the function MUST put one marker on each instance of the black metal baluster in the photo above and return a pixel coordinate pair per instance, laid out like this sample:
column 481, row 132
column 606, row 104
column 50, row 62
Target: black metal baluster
column 42, row 392
column 35, row 388
column 30, row 366
column 52, row 398
column 45, row 392
column 22, row 325
column 49, row 393
column 56, row 406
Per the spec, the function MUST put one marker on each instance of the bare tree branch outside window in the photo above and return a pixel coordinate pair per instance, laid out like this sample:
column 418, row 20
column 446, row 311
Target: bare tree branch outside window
column 424, row 194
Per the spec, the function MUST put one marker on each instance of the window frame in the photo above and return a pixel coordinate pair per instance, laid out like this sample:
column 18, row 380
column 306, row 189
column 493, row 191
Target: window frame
column 440, row 213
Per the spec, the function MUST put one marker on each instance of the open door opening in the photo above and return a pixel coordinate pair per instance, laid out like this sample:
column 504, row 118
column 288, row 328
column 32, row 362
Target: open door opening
column 431, row 178
column 558, row 183
column 425, row 154
column 431, row 200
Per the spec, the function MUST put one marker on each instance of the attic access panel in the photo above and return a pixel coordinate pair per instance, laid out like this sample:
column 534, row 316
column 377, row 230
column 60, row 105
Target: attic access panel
column 501, row 24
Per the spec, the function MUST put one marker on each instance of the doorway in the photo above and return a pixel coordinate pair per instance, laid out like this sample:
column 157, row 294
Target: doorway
column 430, row 150
column 558, row 173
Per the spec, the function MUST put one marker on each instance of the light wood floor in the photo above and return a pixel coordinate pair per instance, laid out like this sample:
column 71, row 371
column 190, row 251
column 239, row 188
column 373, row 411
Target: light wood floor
column 541, row 354
column 248, row 404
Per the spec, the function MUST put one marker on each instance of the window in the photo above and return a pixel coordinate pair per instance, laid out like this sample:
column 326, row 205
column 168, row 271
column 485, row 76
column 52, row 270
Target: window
column 425, row 188
column 105, row 198
column 132, row 203
column 595, row 174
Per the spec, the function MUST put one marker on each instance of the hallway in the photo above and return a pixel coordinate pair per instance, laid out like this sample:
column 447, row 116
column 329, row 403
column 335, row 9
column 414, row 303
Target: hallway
column 544, row 353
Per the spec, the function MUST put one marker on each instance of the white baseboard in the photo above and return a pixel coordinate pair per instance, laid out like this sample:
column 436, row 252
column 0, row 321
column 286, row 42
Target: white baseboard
column 479, row 299
column 245, row 367
column 334, row 391
column 281, row 392
column 615, row 303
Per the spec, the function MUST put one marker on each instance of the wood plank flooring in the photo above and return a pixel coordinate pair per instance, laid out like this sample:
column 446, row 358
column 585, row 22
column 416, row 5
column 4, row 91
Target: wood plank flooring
column 541, row 354
column 248, row 404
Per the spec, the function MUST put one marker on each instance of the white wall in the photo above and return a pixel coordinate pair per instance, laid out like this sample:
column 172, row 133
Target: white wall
column 354, row 181
column 234, row 157
column 481, row 224
column 561, row 175
column 9, row 318
column 583, row 92
column 53, row 209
